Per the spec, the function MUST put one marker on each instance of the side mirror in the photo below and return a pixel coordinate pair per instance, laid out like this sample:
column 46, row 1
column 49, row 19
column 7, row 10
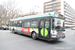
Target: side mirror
column 63, row 30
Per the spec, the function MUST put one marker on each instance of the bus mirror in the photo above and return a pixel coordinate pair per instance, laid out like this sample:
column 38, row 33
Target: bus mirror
column 63, row 30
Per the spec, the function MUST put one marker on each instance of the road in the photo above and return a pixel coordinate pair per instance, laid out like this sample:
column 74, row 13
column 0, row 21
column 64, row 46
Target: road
column 10, row 41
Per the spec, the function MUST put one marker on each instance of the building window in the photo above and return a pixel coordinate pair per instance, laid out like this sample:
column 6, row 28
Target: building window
column 55, row 4
column 53, row 1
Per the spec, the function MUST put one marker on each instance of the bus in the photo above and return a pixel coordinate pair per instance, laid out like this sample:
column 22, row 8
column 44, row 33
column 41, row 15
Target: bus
column 48, row 26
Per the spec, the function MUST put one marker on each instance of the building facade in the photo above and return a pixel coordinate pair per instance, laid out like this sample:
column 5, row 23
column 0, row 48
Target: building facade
column 63, row 8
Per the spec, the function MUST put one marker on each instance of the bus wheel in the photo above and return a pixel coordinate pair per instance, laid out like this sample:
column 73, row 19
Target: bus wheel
column 34, row 36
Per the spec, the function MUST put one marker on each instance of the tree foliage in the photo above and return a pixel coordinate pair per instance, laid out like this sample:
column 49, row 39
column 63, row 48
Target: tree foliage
column 8, row 10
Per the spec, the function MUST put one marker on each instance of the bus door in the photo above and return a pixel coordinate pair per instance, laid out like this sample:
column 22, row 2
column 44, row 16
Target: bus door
column 44, row 29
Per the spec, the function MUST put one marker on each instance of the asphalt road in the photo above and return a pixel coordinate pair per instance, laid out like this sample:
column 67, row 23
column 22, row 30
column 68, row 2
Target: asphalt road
column 10, row 41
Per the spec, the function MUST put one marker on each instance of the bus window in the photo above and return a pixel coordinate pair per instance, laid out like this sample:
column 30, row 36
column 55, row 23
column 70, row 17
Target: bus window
column 15, row 23
column 59, row 24
column 34, row 24
column 53, row 24
column 19, row 23
column 27, row 24
column 12, row 23
column 42, row 24
column 47, row 24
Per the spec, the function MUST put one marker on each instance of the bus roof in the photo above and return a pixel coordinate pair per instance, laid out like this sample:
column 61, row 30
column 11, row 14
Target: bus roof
column 35, row 16
column 30, row 17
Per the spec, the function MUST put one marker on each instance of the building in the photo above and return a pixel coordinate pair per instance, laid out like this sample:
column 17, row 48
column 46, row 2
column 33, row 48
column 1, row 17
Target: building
column 63, row 8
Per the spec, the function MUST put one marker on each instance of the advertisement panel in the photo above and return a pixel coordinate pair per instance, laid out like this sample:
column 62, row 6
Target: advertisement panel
column 25, row 30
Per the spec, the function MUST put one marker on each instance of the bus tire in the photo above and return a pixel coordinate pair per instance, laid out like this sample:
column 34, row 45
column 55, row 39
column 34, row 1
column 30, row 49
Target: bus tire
column 34, row 36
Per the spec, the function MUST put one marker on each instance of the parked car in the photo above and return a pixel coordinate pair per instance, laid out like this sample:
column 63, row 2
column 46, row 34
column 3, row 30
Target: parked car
column 4, row 27
column 73, row 28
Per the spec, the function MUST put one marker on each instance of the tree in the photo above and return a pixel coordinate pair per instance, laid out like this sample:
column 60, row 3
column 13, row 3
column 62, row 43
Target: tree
column 2, row 16
column 33, row 11
column 11, row 11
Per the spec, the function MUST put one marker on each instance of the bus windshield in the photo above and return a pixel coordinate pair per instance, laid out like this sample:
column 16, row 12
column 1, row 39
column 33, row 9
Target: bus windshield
column 59, row 24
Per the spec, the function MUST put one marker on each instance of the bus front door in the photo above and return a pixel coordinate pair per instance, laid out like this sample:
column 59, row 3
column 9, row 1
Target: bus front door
column 44, row 29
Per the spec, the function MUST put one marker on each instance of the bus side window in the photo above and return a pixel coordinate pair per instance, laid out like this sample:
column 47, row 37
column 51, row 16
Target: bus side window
column 27, row 24
column 23, row 23
column 12, row 23
column 15, row 23
column 53, row 24
column 19, row 23
column 34, row 24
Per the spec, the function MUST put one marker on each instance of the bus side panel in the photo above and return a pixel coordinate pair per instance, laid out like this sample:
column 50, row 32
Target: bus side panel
column 34, row 29
column 25, row 30
column 28, row 31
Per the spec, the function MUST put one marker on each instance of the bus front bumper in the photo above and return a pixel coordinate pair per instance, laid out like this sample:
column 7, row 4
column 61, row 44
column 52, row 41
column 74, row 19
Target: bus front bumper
column 61, row 35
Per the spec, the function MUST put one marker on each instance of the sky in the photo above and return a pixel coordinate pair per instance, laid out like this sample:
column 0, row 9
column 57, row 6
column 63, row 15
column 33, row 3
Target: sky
column 34, row 5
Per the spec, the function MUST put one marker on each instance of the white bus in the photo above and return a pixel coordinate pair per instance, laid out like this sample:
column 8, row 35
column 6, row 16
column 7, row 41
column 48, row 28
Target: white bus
column 46, row 26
